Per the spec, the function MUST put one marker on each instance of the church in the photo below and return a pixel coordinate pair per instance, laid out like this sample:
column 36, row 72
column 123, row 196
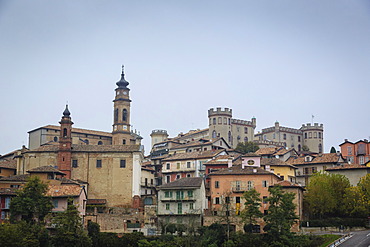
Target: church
column 108, row 163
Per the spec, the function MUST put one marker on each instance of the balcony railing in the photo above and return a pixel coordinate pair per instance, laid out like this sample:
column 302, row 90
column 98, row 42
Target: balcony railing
column 237, row 189
column 177, row 199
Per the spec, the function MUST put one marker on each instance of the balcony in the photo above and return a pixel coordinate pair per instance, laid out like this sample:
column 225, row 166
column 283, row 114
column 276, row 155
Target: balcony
column 178, row 199
column 239, row 189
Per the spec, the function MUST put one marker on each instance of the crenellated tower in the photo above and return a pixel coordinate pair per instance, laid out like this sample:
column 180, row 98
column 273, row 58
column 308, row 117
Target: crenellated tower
column 65, row 143
column 313, row 137
column 121, row 134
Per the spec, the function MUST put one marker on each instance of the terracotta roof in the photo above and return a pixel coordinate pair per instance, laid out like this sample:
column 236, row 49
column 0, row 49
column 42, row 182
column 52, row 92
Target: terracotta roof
column 46, row 169
column 194, row 155
column 288, row 184
column 194, row 182
column 76, row 130
column 191, row 132
column 275, row 162
column 8, row 191
column 16, row 178
column 283, row 151
column 219, row 160
column 317, row 159
column 65, row 180
column 64, row 190
column 237, row 170
column 160, row 157
column 8, row 164
column 89, row 148
column 347, row 167
column 267, row 150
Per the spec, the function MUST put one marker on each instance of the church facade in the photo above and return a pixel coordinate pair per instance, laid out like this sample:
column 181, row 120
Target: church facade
column 110, row 163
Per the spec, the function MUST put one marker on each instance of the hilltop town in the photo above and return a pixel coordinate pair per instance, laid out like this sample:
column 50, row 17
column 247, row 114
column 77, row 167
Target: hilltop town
column 193, row 179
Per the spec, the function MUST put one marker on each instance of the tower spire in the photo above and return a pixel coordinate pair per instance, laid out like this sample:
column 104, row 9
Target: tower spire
column 122, row 83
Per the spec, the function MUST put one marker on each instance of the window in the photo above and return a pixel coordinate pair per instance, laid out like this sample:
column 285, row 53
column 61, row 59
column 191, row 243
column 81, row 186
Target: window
column 177, row 176
column 55, row 139
column 228, row 121
column 217, row 200
column 188, row 175
column 314, row 170
column 86, row 141
column 314, row 134
column 299, row 147
column 229, row 137
column 179, row 208
column 123, row 141
column 122, row 164
column 7, row 202
column 214, row 121
column 191, row 205
column 167, row 206
column 217, row 184
column 264, row 200
column 55, row 203
column 349, row 150
column 14, row 186
column 124, row 115
column 299, row 138
column 100, row 143
column 64, row 132
column 168, row 194
column 115, row 115
column 237, row 199
column 245, row 130
column 250, row 185
column 320, row 148
column 237, row 185
column 306, row 171
column 305, row 135
column 74, row 163
column 178, row 165
column 225, row 120
column 219, row 120
column 188, row 164
column 319, row 134
column 190, row 193
column 361, row 160
column 168, row 179
column 98, row 163
column 284, row 136
column 168, row 166
column 245, row 139
column 179, row 195
column 265, row 183
column 310, row 135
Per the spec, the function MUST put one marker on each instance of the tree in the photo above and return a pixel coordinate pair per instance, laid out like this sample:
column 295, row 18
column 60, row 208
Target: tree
column 281, row 214
column 305, row 148
column 325, row 194
column 252, row 206
column 247, row 147
column 355, row 202
column 68, row 228
column 31, row 204
column 332, row 150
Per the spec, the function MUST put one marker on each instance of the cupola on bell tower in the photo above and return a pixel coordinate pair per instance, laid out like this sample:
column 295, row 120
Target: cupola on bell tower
column 121, row 134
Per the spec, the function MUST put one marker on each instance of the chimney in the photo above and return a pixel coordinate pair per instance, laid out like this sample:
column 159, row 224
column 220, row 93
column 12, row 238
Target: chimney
column 345, row 140
column 230, row 162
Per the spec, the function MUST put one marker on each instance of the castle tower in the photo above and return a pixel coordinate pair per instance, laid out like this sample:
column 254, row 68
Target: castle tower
column 65, row 143
column 220, row 124
column 158, row 136
column 313, row 137
column 121, row 134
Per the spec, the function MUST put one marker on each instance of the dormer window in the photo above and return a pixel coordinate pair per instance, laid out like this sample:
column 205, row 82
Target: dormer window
column 308, row 158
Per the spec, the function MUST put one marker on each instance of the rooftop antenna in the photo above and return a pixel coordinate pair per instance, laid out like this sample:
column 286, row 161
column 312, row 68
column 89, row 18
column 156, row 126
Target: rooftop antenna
column 312, row 117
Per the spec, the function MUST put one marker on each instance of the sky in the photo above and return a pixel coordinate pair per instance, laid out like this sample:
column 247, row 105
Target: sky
column 274, row 60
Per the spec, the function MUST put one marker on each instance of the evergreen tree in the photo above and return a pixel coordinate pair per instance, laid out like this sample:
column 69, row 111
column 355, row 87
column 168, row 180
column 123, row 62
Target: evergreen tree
column 281, row 215
column 332, row 150
column 68, row 228
column 31, row 204
column 247, row 147
column 251, row 210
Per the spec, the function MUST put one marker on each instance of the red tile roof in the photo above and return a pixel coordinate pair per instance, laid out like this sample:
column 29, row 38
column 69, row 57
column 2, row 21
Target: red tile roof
column 8, row 164
column 317, row 159
column 347, row 167
column 194, row 155
column 68, row 190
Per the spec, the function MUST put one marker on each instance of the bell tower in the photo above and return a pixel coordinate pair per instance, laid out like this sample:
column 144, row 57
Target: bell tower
column 121, row 134
column 65, row 143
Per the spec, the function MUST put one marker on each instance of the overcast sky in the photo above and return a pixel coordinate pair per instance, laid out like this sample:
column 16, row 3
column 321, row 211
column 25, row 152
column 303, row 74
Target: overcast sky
column 274, row 60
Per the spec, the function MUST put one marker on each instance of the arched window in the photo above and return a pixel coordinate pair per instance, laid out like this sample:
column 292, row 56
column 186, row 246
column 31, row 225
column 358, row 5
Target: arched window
column 124, row 115
column 65, row 132
column 100, row 143
column 115, row 115
column 214, row 134
column 55, row 139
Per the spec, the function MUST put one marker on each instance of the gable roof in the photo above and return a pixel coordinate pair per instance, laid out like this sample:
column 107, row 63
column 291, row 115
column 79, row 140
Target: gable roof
column 194, row 155
column 16, row 178
column 275, row 162
column 46, row 169
column 69, row 190
column 238, row 170
column 316, row 159
column 193, row 182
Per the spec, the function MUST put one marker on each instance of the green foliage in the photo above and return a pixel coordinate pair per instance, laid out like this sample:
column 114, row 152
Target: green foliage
column 214, row 234
column 332, row 150
column 305, row 148
column 251, row 207
column 247, row 147
column 68, row 228
column 93, row 230
column 326, row 193
column 336, row 222
column 281, row 215
column 23, row 234
column 31, row 204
